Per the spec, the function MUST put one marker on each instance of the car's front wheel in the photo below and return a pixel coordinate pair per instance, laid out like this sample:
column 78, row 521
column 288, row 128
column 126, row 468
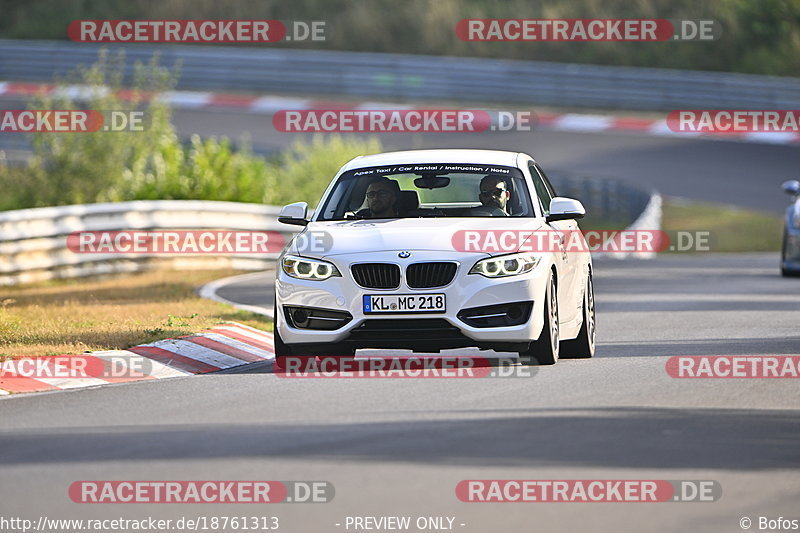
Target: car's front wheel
column 282, row 351
column 785, row 272
column 545, row 349
column 583, row 346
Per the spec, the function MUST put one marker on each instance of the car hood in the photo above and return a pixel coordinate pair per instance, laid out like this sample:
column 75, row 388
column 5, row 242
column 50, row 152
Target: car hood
column 359, row 236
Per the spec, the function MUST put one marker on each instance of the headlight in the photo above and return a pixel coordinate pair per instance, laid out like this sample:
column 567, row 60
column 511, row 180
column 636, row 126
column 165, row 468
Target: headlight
column 305, row 268
column 505, row 265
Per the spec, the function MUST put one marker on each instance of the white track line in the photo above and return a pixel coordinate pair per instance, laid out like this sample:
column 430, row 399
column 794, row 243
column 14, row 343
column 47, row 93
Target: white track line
column 578, row 122
column 772, row 137
column 209, row 291
column 271, row 105
column 187, row 99
column 81, row 92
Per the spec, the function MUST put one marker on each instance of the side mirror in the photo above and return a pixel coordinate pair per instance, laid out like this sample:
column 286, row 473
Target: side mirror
column 294, row 214
column 791, row 187
column 565, row 209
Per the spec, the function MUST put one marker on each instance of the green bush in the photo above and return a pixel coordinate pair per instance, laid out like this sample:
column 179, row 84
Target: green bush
column 303, row 172
column 75, row 168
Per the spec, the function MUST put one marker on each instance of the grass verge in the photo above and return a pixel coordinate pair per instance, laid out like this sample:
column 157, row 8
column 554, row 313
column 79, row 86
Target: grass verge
column 73, row 316
column 732, row 229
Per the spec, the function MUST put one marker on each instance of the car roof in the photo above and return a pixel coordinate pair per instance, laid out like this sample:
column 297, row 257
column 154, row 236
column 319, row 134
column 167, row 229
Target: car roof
column 484, row 157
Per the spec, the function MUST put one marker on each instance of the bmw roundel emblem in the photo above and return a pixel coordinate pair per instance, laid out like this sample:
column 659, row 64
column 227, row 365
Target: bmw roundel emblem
column 404, row 255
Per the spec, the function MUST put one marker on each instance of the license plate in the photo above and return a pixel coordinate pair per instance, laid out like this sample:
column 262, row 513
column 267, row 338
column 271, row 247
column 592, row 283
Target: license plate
column 404, row 303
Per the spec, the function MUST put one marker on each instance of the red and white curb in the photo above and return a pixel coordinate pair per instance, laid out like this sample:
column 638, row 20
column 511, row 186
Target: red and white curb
column 224, row 346
column 653, row 127
column 270, row 104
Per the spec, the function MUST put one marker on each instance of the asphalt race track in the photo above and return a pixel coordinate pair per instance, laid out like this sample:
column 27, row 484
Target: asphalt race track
column 738, row 173
column 400, row 446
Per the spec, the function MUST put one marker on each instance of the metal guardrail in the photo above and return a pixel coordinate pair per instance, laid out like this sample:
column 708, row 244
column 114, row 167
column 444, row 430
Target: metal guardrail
column 611, row 200
column 413, row 77
column 33, row 242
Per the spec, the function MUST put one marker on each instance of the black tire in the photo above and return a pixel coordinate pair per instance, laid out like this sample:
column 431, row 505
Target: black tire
column 785, row 272
column 545, row 349
column 583, row 346
column 281, row 350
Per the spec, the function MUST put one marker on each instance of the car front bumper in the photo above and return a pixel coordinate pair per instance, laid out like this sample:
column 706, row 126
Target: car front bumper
column 430, row 331
column 791, row 250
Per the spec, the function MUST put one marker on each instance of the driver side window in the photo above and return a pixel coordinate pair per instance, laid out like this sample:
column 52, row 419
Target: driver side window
column 542, row 192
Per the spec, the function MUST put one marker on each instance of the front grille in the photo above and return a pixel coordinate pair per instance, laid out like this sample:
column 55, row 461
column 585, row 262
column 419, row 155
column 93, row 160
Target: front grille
column 429, row 275
column 419, row 335
column 403, row 330
column 376, row 275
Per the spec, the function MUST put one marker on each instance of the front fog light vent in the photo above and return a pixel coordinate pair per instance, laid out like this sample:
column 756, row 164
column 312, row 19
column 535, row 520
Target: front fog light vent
column 312, row 318
column 497, row 316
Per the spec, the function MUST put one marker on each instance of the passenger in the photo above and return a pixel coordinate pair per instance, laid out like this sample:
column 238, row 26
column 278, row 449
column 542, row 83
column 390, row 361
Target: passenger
column 494, row 196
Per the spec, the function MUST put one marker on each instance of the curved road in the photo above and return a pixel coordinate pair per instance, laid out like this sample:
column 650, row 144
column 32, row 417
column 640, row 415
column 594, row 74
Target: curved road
column 401, row 446
column 738, row 173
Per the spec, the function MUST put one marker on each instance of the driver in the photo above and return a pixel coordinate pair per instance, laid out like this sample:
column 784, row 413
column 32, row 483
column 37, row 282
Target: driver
column 494, row 196
column 381, row 196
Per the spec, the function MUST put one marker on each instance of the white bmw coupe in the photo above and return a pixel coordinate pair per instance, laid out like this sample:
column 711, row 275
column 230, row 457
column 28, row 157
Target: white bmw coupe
column 436, row 249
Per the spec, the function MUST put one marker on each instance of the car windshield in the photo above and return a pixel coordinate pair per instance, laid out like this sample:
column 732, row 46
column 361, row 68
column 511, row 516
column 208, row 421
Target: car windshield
column 429, row 190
